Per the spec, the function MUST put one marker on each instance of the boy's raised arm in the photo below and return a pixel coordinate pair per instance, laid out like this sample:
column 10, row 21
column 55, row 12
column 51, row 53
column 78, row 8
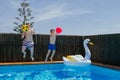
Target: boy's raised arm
column 23, row 35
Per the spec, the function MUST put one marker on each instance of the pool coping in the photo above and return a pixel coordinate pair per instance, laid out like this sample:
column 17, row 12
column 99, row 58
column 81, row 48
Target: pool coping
column 29, row 63
column 55, row 62
column 106, row 66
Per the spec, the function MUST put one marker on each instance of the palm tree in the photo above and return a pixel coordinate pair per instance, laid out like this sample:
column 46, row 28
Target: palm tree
column 24, row 16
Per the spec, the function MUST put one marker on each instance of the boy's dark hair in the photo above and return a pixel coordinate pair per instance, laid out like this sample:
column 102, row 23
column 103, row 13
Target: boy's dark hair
column 52, row 30
column 27, row 23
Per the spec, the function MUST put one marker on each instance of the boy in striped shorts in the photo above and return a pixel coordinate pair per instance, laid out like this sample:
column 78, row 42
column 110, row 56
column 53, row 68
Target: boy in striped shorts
column 28, row 42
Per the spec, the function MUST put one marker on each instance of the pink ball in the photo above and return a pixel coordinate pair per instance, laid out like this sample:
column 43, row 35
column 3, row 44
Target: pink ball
column 58, row 30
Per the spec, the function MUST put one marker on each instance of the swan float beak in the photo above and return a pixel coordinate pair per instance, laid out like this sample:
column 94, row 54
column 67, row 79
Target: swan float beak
column 91, row 43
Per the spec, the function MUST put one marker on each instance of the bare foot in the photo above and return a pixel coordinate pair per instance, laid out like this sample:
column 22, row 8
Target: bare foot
column 32, row 58
column 46, row 60
column 24, row 55
column 51, row 59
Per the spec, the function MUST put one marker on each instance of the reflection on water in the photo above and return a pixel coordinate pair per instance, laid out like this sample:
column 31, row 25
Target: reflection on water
column 60, row 72
column 57, row 72
column 80, row 72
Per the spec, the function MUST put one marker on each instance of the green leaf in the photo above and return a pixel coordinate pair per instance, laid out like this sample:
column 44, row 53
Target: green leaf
column 18, row 18
column 15, row 23
column 28, row 9
column 16, row 27
column 20, row 26
column 15, row 30
column 20, row 14
column 29, row 14
column 20, row 9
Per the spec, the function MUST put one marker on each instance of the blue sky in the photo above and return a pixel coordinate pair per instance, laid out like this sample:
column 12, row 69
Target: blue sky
column 76, row 17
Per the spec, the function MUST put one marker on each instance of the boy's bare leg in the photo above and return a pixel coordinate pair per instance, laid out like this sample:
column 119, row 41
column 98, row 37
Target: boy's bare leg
column 32, row 53
column 53, row 53
column 48, row 53
column 23, row 51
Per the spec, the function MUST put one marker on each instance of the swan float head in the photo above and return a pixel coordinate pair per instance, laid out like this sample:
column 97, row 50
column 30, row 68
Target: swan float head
column 87, row 51
column 88, row 41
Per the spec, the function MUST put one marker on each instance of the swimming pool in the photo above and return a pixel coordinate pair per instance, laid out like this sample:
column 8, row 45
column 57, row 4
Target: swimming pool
column 57, row 72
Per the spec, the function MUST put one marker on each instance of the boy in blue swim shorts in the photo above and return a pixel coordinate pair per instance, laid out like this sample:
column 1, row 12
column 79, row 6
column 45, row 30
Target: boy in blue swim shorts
column 51, row 45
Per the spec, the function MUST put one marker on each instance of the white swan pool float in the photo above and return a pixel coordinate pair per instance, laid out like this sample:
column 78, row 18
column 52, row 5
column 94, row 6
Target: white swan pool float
column 78, row 60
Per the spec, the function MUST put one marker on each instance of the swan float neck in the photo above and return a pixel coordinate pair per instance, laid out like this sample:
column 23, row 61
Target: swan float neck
column 87, row 51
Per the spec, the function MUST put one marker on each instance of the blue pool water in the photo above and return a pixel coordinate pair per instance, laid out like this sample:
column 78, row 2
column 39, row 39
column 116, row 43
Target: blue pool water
column 57, row 72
